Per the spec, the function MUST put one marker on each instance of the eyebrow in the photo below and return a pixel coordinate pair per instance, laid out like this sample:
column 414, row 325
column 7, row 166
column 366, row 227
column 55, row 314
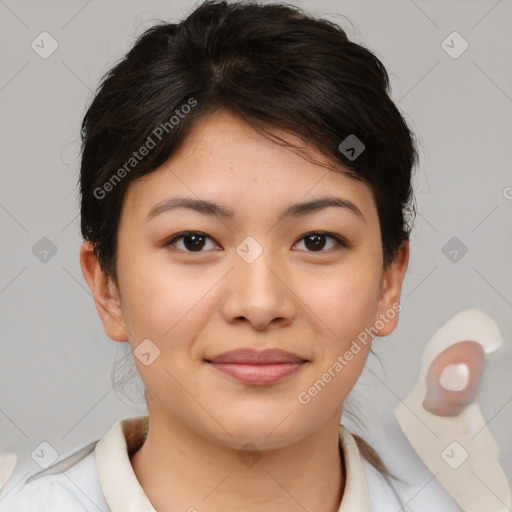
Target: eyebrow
column 295, row 210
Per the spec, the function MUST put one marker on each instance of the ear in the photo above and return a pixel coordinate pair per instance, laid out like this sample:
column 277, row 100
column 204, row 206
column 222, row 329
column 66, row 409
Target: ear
column 105, row 294
column 391, row 288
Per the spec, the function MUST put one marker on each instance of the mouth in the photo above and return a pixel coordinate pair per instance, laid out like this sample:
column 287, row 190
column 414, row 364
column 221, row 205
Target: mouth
column 258, row 368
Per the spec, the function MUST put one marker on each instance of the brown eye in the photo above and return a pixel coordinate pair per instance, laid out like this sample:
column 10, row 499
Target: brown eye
column 317, row 241
column 191, row 241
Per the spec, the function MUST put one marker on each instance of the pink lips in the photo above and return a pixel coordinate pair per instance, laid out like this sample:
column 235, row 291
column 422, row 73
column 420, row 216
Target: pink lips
column 257, row 367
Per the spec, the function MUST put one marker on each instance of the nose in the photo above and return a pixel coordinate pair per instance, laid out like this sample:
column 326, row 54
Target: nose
column 259, row 293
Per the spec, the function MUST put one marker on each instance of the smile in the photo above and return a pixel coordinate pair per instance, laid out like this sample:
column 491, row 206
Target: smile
column 257, row 374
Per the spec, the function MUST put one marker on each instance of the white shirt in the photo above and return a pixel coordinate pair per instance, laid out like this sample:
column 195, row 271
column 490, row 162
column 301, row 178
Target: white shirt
column 99, row 477
column 7, row 464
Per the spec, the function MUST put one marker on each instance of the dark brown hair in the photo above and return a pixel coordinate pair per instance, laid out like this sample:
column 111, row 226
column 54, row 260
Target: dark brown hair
column 273, row 65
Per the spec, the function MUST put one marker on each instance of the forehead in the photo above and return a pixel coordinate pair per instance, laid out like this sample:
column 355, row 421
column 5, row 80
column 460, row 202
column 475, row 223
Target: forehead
column 226, row 160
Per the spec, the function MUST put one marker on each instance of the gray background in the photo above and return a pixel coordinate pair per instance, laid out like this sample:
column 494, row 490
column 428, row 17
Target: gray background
column 55, row 359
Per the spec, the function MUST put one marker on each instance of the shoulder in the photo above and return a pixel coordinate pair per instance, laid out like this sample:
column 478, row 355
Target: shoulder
column 380, row 494
column 70, row 484
column 383, row 496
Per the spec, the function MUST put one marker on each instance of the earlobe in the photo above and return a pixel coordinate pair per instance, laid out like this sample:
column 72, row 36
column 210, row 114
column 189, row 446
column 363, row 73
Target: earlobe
column 105, row 294
column 391, row 289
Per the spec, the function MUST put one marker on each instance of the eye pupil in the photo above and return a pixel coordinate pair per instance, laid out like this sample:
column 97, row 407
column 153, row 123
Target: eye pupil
column 197, row 242
column 317, row 241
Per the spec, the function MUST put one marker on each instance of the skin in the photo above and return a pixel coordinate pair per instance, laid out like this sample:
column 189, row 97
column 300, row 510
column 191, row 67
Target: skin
column 196, row 305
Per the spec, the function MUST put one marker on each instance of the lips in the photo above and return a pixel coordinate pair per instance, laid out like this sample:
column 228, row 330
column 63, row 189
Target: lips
column 258, row 368
column 255, row 357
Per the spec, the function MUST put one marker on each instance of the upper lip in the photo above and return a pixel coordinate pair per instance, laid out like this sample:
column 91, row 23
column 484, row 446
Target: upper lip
column 253, row 356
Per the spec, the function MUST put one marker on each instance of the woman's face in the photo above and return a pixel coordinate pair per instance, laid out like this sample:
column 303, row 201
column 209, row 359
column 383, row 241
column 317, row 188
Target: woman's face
column 253, row 279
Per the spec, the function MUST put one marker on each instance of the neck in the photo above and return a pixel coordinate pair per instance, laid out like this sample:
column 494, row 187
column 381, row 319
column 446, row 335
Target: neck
column 179, row 469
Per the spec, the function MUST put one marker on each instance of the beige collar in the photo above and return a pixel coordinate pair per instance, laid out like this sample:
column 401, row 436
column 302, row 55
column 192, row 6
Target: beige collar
column 123, row 492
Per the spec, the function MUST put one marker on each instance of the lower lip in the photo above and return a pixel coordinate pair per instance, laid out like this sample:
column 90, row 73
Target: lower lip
column 258, row 374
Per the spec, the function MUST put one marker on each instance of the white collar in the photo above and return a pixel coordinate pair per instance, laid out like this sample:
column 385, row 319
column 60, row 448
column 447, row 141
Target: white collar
column 123, row 492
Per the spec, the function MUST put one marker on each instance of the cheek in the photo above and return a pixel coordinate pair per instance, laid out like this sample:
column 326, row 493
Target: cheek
column 345, row 304
column 170, row 309
column 160, row 301
column 345, row 300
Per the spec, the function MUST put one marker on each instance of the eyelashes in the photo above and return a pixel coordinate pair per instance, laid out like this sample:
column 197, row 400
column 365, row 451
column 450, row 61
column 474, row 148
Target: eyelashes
column 197, row 240
column 338, row 241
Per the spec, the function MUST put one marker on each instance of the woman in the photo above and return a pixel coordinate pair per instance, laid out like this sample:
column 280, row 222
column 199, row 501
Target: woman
column 244, row 182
